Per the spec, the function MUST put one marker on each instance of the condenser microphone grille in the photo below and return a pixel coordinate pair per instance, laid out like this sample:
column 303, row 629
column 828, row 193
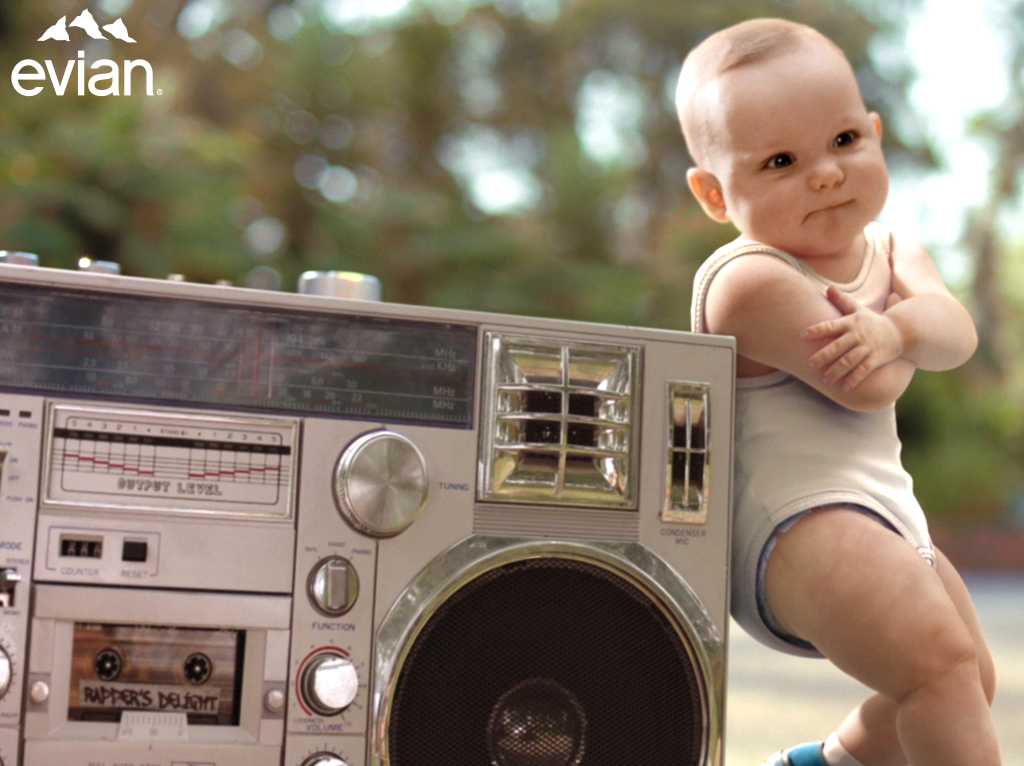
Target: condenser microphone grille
column 548, row 662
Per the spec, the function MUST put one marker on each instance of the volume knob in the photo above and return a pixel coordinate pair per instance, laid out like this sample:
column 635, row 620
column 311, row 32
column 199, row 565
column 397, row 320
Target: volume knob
column 321, row 759
column 329, row 683
column 5, row 673
column 381, row 483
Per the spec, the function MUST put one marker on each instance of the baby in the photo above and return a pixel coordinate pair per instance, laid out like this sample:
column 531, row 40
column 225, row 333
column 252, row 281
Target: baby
column 832, row 315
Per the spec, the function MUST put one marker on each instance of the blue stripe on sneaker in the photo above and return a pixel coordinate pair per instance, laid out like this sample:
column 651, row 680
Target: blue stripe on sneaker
column 806, row 755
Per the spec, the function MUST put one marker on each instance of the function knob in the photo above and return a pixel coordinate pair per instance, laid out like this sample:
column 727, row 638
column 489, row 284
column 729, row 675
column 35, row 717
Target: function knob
column 5, row 672
column 333, row 586
column 381, row 483
column 329, row 683
column 319, row 759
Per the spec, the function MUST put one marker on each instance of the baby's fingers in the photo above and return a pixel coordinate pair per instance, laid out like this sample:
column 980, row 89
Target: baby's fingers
column 841, row 300
column 825, row 356
column 848, row 370
column 826, row 329
column 859, row 373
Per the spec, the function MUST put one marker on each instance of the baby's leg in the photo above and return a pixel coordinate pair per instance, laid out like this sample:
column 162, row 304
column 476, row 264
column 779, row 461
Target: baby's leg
column 869, row 732
column 874, row 607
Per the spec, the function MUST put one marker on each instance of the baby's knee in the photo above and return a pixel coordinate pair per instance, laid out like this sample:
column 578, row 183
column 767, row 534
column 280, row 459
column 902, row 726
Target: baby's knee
column 949, row 655
column 954, row 653
column 987, row 671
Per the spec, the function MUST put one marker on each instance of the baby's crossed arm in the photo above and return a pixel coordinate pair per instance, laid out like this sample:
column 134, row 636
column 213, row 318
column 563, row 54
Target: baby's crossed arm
column 938, row 331
column 923, row 323
column 766, row 304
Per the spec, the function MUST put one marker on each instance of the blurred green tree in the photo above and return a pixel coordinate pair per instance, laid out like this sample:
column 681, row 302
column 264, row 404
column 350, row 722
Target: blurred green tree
column 518, row 155
column 964, row 433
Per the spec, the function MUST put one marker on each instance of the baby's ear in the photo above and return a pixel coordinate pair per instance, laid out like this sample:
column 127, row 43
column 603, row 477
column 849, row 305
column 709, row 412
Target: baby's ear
column 708, row 191
column 876, row 122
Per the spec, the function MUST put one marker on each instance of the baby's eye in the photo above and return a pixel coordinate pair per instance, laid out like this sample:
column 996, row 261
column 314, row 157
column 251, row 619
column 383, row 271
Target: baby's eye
column 779, row 161
column 846, row 138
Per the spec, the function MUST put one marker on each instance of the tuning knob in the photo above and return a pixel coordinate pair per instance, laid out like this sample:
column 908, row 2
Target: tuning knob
column 381, row 483
column 5, row 673
column 329, row 683
column 319, row 759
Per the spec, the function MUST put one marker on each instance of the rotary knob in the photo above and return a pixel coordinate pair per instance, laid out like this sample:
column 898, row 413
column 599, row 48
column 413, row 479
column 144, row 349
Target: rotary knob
column 340, row 284
column 19, row 259
column 333, row 586
column 319, row 759
column 381, row 483
column 98, row 267
column 329, row 683
column 5, row 673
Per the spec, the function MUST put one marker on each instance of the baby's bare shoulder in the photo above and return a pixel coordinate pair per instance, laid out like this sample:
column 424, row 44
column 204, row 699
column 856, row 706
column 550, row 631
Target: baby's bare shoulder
column 755, row 288
column 913, row 270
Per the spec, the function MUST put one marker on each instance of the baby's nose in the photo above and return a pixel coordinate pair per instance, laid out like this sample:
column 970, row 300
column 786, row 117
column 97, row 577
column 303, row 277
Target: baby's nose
column 826, row 173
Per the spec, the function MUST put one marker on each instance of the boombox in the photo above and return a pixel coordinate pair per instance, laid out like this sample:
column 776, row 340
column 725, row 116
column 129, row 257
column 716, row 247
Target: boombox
column 247, row 528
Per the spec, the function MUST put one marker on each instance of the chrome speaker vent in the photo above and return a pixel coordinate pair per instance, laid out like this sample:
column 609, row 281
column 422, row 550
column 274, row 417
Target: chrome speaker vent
column 560, row 423
column 689, row 477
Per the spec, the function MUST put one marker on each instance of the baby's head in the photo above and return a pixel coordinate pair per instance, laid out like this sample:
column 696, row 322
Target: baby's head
column 785, row 149
column 746, row 44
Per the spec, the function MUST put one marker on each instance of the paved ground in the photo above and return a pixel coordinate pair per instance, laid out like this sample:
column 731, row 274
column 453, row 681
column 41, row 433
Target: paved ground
column 775, row 700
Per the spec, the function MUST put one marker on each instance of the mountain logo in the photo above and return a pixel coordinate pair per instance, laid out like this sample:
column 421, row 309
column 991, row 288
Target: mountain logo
column 84, row 20
column 110, row 80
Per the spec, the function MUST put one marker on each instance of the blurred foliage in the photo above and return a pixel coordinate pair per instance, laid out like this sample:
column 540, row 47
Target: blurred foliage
column 519, row 156
column 966, row 446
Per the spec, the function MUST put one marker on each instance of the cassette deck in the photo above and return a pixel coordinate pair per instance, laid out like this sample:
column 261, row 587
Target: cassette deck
column 232, row 522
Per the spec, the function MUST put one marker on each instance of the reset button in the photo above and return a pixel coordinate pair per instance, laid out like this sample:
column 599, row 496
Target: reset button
column 134, row 550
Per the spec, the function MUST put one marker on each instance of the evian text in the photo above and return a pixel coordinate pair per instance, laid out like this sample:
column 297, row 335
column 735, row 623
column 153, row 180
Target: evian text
column 107, row 82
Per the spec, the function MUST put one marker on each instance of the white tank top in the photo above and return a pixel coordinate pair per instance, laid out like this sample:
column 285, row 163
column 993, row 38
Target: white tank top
column 796, row 449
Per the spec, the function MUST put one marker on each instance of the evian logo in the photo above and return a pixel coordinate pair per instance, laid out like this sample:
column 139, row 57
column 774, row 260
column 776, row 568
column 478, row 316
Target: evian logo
column 109, row 80
column 59, row 31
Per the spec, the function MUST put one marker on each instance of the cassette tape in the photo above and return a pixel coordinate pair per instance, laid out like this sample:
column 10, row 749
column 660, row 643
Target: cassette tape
column 122, row 672
column 117, row 668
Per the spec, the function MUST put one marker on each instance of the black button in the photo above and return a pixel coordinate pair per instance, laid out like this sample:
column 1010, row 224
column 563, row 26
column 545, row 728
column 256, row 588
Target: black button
column 134, row 550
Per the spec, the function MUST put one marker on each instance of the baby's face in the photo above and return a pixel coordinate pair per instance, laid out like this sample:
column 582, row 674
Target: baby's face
column 796, row 153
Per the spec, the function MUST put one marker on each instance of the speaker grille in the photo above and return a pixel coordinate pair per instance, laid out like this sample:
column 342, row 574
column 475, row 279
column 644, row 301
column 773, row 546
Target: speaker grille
column 595, row 659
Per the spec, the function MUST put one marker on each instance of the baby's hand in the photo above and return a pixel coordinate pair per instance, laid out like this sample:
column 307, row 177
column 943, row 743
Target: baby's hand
column 866, row 341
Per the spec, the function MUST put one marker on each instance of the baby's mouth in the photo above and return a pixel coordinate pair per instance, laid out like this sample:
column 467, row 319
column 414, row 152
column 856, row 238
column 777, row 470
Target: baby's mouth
column 829, row 208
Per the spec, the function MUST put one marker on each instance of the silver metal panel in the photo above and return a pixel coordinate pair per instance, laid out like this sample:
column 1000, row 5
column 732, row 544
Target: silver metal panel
column 248, row 567
column 556, row 523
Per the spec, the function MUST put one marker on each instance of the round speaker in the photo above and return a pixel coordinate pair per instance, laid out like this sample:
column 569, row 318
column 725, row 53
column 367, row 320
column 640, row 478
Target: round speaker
column 548, row 655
